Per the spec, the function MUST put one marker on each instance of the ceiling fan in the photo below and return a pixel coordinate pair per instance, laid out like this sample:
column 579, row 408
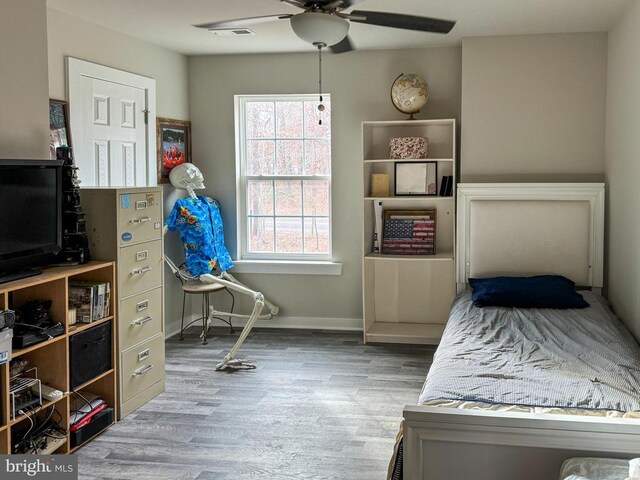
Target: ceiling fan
column 325, row 22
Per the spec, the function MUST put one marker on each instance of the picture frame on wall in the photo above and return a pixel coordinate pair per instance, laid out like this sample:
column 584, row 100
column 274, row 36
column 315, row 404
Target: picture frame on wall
column 59, row 133
column 416, row 178
column 409, row 232
column 173, row 145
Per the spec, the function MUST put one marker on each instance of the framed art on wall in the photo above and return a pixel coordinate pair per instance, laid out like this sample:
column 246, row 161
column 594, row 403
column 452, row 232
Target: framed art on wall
column 59, row 134
column 416, row 178
column 173, row 144
column 409, row 232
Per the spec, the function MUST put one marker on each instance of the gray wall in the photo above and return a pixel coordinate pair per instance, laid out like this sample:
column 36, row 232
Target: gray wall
column 73, row 36
column 533, row 108
column 24, row 116
column 623, row 168
column 359, row 85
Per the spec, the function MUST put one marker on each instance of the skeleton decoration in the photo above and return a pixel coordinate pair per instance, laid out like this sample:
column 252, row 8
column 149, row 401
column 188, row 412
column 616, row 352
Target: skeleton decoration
column 199, row 222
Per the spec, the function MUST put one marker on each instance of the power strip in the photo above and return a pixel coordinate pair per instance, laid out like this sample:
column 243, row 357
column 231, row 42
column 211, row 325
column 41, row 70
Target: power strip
column 51, row 446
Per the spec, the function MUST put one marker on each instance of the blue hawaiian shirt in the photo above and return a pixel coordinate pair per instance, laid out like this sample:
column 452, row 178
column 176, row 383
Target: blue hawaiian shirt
column 200, row 225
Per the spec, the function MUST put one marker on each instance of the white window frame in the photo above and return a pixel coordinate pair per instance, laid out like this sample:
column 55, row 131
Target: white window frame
column 264, row 262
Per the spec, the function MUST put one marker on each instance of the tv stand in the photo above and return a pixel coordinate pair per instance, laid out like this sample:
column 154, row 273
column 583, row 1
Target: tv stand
column 53, row 357
column 10, row 277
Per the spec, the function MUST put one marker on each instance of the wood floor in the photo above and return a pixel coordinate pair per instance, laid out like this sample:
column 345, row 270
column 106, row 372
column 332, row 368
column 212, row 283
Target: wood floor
column 320, row 405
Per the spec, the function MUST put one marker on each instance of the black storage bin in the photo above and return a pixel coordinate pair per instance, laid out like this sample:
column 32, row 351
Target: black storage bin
column 89, row 354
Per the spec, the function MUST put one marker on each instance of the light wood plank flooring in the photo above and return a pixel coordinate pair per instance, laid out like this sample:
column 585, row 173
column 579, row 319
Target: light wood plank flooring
column 320, row 405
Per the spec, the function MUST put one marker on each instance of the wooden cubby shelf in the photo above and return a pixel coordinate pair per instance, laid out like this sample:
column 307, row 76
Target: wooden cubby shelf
column 93, row 380
column 81, row 327
column 52, row 357
column 23, row 351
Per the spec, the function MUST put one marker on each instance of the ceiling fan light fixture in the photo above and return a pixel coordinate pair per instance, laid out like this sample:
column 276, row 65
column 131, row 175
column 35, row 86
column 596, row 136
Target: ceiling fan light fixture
column 316, row 27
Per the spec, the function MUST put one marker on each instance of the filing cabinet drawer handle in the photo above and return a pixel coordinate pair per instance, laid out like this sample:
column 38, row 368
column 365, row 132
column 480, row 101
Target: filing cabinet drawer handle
column 140, row 271
column 140, row 220
column 142, row 321
column 142, row 371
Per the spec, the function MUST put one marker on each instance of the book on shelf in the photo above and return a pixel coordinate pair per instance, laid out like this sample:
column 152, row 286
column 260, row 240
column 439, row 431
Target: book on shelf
column 107, row 300
column 91, row 300
column 443, row 185
column 377, row 234
column 446, row 186
column 449, row 190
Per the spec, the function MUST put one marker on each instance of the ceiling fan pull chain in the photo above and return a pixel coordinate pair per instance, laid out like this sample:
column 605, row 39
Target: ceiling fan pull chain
column 320, row 105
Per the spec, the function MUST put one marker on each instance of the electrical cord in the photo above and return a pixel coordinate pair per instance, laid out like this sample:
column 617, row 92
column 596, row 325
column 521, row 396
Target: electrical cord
column 91, row 407
column 22, row 412
column 29, row 326
column 45, row 423
column 62, row 437
column 39, row 429
column 75, row 418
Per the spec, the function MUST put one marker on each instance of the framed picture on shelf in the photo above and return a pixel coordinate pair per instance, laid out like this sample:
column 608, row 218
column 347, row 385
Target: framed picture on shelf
column 416, row 178
column 173, row 144
column 59, row 134
column 409, row 232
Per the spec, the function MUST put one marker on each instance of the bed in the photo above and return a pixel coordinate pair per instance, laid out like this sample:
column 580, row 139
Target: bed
column 513, row 393
column 595, row 469
column 575, row 361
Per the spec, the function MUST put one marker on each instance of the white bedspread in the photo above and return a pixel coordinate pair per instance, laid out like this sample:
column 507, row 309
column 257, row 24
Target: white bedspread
column 595, row 469
column 552, row 361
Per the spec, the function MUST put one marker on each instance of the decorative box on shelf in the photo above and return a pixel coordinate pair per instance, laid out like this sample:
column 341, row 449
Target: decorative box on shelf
column 408, row 147
column 380, row 185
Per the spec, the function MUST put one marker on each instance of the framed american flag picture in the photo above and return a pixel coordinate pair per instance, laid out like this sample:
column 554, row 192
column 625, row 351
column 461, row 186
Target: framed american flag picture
column 409, row 232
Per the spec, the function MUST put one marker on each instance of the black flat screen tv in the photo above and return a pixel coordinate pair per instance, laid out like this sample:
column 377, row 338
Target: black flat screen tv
column 30, row 215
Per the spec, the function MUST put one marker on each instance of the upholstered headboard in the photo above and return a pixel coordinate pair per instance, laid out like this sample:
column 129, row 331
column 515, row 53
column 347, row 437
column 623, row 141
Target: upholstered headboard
column 531, row 229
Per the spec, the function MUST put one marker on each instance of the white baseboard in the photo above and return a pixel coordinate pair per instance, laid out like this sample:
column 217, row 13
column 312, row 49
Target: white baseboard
column 302, row 323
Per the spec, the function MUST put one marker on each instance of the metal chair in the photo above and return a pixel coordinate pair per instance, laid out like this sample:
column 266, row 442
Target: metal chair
column 204, row 289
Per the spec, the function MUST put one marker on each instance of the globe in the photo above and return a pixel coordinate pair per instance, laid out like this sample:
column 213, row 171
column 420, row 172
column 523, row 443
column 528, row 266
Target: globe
column 409, row 93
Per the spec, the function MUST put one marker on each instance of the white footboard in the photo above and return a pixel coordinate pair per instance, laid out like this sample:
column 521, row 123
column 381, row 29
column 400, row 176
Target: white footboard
column 454, row 444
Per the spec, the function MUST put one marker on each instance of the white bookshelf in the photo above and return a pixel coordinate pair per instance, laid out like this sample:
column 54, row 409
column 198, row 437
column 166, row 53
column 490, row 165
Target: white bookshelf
column 406, row 298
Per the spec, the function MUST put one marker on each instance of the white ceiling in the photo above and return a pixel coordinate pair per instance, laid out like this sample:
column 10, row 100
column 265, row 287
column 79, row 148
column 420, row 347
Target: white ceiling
column 168, row 22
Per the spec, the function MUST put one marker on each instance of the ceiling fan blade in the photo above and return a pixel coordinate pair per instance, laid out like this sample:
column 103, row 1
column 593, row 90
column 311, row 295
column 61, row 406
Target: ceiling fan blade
column 295, row 3
column 343, row 46
column 406, row 22
column 240, row 22
column 339, row 4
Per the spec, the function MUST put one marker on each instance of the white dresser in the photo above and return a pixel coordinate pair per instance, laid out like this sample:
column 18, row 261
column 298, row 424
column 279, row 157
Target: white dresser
column 125, row 225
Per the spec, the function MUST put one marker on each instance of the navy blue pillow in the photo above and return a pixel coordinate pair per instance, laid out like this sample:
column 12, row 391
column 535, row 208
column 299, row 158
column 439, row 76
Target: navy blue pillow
column 544, row 291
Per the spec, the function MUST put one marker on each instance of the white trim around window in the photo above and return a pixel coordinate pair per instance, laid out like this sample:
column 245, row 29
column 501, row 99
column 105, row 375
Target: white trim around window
column 305, row 262
column 292, row 267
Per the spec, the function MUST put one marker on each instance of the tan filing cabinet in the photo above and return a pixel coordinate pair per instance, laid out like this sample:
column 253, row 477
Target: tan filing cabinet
column 125, row 225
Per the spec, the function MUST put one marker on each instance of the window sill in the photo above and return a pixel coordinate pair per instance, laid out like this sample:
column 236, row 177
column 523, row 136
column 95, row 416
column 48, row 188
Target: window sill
column 287, row 267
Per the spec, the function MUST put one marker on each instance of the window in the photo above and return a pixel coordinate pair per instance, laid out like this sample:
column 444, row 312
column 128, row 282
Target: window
column 284, row 177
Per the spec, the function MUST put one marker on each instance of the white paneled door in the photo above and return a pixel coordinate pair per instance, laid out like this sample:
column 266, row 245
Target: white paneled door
column 112, row 125
column 114, row 122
